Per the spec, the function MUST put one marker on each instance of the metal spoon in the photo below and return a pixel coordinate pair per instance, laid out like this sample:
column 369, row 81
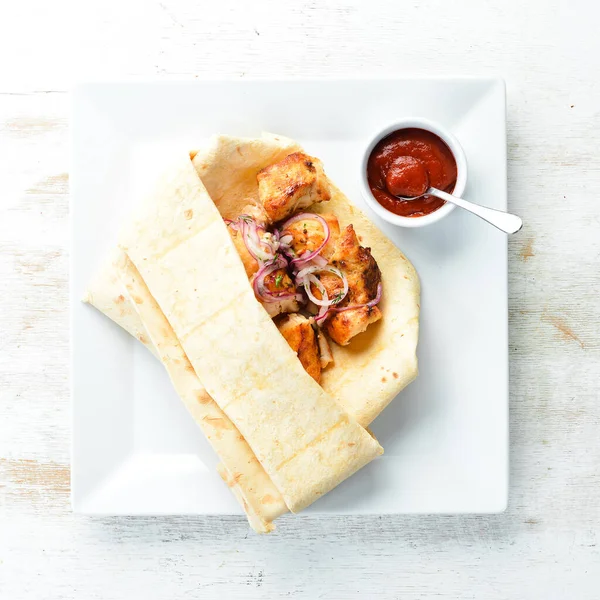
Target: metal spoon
column 502, row 220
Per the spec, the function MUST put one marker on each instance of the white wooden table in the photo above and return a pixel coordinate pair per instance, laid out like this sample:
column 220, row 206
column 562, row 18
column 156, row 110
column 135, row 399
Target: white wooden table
column 547, row 544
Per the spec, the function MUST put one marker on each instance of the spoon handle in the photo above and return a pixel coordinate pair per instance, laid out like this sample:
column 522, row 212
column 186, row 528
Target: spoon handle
column 502, row 220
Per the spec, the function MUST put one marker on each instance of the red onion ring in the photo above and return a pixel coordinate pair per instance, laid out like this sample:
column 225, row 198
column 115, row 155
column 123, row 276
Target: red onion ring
column 324, row 301
column 326, row 235
column 258, row 284
column 305, row 277
column 323, row 315
column 252, row 240
column 233, row 224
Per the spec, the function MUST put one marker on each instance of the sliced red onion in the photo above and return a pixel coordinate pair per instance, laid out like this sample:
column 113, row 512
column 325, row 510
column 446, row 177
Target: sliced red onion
column 261, row 291
column 308, row 271
column 319, row 261
column 324, row 301
column 315, row 268
column 251, row 236
column 370, row 304
column 324, row 313
column 300, row 260
column 284, row 244
column 270, row 242
column 377, row 298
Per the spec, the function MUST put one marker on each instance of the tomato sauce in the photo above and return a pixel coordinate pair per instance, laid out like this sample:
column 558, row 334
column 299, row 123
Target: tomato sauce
column 406, row 163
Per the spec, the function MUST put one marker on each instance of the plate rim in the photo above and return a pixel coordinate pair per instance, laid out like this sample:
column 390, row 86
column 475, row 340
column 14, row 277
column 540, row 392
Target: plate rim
column 77, row 501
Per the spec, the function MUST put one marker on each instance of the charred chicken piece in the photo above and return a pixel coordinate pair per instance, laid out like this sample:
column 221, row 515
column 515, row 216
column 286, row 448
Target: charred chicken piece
column 249, row 262
column 292, row 184
column 364, row 277
column 300, row 336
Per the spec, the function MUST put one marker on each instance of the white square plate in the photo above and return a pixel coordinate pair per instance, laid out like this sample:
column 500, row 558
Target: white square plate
column 136, row 450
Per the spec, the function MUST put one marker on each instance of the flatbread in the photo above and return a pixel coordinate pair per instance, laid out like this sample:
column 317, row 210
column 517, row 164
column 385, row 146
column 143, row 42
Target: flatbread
column 180, row 245
column 240, row 469
column 376, row 365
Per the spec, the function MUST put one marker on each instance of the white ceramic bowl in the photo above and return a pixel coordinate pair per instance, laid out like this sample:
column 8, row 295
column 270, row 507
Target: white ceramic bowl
column 461, row 172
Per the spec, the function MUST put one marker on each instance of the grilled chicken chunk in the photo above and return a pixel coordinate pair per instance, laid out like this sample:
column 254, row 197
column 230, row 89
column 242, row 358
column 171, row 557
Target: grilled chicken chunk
column 300, row 336
column 279, row 282
column 363, row 276
column 292, row 184
column 249, row 262
column 258, row 213
column 308, row 235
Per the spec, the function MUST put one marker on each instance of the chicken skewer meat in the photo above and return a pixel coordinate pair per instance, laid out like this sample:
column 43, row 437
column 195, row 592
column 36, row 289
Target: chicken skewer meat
column 302, row 339
column 308, row 235
column 357, row 309
column 310, row 345
column 295, row 183
column 341, row 276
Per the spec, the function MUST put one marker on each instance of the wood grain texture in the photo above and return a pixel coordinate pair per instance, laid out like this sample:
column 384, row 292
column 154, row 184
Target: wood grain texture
column 547, row 544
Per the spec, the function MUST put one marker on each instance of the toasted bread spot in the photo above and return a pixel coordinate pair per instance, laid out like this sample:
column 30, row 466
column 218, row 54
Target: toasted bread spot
column 188, row 214
column 203, row 397
column 268, row 499
column 395, row 375
column 137, row 299
column 142, row 338
column 217, row 422
column 120, row 299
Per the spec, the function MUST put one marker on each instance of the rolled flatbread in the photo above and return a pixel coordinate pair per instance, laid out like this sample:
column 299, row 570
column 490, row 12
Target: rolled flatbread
column 368, row 373
column 181, row 247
